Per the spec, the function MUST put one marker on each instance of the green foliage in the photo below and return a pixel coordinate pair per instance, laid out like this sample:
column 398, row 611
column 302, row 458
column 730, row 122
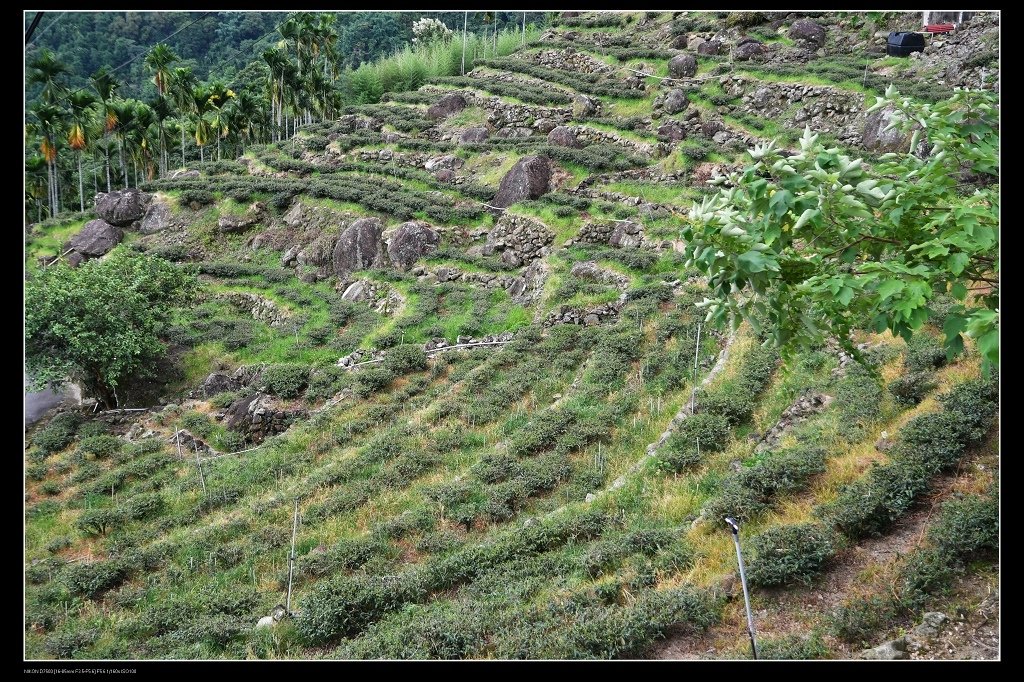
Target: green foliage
column 404, row 359
column 885, row 241
column 858, row 619
column 924, row 353
column 752, row 490
column 792, row 648
column 286, row 381
column 58, row 433
column 98, row 447
column 99, row 323
column 787, row 554
column 910, row 389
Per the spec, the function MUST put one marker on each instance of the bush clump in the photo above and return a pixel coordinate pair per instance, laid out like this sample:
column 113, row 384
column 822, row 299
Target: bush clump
column 286, row 381
column 787, row 554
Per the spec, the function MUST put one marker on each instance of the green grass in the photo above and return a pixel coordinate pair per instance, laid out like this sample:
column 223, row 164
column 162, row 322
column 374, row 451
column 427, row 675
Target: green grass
column 48, row 242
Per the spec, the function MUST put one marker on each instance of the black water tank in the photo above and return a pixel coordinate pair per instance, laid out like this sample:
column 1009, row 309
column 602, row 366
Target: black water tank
column 902, row 43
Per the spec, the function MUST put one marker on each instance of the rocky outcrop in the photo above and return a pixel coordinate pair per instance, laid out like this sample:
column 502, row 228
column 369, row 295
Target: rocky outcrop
column 877, row 138
column 410, row 242
column 451, row 103
column 359, row 247
column 528, row 179
column 711, row 47
column 673, row 130
column 890, row 651
column 260, row 308
column 682, row 66
column 747, row 49
column 121, row 208
column 583, row 106
column 626, row 234
column 96, row 238
column 474, row 135
column 158, row 217
column 562, row 136
column 678, row 42
column 807, row 32
column 585, row 316
column 216, row 383
column 259, row 416
column 806, row 405
column 528, row 287
column 570, row 61
column 319, row 253
column 240, row 223
column 518, row 239
column 446, row 162
column 379, row 296
column 590, row 270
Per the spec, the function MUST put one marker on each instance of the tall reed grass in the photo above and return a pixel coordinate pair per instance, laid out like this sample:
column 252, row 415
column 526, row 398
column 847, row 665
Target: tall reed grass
column 413, row 66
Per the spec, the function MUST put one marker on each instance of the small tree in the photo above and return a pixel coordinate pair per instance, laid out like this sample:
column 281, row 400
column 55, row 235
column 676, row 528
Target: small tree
column 816, row 243
column 99, row 324
column 428, row 30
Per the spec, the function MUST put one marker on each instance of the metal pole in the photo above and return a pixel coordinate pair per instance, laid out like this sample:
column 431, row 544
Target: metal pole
column 465, row 21
column 743, row 579
column 291, row 557
column 696, row 353
column 199, row 464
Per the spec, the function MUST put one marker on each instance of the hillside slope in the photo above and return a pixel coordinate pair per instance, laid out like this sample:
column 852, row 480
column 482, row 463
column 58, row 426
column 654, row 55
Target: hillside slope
column 456, row 328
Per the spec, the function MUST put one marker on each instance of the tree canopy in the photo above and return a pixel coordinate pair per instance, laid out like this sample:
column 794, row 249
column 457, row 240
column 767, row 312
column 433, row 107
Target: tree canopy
column 818, row 244
column 99, row 324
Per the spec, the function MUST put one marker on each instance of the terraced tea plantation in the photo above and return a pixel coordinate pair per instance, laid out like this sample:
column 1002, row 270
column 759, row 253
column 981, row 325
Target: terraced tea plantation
column 449, row 343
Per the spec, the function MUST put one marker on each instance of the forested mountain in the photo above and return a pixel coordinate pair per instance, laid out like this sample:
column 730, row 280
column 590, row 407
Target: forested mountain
column 219, row 43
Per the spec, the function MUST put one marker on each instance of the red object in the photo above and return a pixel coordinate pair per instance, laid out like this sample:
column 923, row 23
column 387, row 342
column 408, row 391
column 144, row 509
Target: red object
column 938, row 28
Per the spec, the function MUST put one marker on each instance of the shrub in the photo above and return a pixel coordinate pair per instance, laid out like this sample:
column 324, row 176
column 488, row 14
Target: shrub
column 91, row 580
column 198, row 423
column 404, row 359
column 195, row 198
column 286, row 381
column 975, row 403
column 93, row 428
column 858, row 619
column 63, row 645
column 50, row 488
column 143, row 506
column 372, row 379
column 97, row 521
column 98, row 447
column 37, row 472
column 787, row 554
column 859, row 398
column 924, row 353
column 751, row 491
column 912, row 388
column 57, row 434
column 224, row 399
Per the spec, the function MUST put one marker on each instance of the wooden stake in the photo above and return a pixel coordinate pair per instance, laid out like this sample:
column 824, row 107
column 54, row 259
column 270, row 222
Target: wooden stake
column 199, row 465
column 291, row 557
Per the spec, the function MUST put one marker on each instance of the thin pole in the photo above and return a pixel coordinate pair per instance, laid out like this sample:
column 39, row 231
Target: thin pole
column 199, row 465
column 524, row 28
column 291, row 557
column 696, row 353
column 465, row 21
column 743, row 579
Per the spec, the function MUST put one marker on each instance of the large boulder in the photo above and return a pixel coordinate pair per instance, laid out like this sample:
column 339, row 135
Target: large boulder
column 675, row 101
column 219, row 383
column 446, row 162
column 583, row 106
column 877, row 138
column 157, row 217
column 473, row 135
column 452, row 103
column 359, row 247
column 682, row 66
column 673, row 130
column 678, row 42
column 626, row 235
column 96, row 238
column 807, row 32
column 711, row 47
column 121, row 208
column 747, row 49
column 528, row 179
column 561, row 136
column 410, row 242
column 319, row 253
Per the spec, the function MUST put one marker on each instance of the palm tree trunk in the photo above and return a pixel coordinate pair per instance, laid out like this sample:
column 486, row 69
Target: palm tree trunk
column 81, row 184
column 50, row 188
column 120, row 157
column 107, row 155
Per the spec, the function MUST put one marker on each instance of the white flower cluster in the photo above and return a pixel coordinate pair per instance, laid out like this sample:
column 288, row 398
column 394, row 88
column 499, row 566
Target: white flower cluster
column 427, row 30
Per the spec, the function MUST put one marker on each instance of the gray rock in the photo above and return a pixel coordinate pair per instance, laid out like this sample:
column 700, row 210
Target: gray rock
column 626, row 234
column 157, row 217
column 182, row 173
column 682, row 66
column 877, row 138
column 445, row 175
column 675, row 101
column 96, row 238
column 931, row 624
column 241, row 223
column 747, row 49
column 359, row 247
column 528, row 179
column 452, row 103
column 410, row 242
column 472, row 135
column 448, row 161
column 561, row 136
column 123, row 207
column 583, row 106
column 807, row 32
column 673, row 130
column 711, row 47
column 319, row 253
column 591, row 319
column 890, row 651
column 218, row 383
column 721, row 137
column 678, row 42
column 545, row 125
